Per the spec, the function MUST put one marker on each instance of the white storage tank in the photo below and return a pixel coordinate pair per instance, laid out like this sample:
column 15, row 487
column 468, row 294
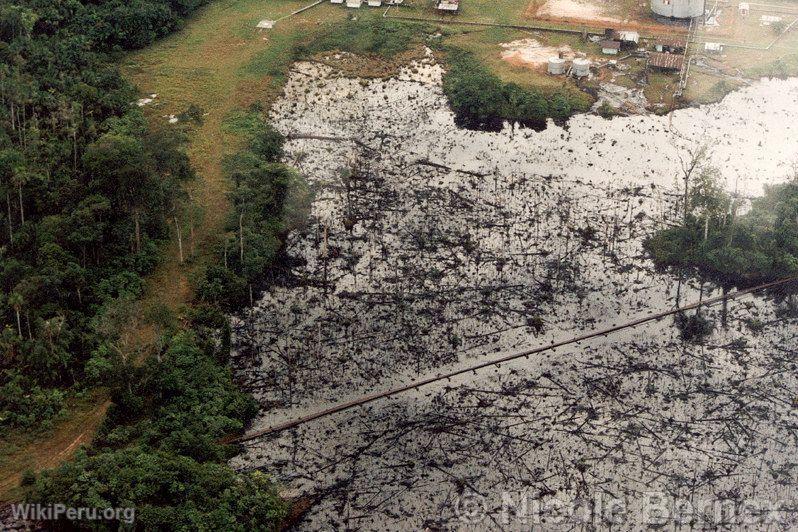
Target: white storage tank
column 581, row 67
column 678, row 8
column 556, row 65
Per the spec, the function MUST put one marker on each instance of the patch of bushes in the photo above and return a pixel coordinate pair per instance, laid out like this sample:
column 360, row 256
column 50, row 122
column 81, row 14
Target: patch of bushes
column 25, row 404
column 166, row 491
column 159, row 449
column 269, row 200
column 480, row 100
column 605, row 110
column 693, row 327
column 757, row 247
column 381, row 37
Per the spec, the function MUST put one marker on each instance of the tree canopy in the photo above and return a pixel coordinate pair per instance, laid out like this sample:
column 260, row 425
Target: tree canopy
column 758, row 246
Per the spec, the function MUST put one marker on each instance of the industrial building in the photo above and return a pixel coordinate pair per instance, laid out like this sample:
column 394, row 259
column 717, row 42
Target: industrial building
column 672, row 45
column 581, row 67
column 678, row 8
column 557, row 65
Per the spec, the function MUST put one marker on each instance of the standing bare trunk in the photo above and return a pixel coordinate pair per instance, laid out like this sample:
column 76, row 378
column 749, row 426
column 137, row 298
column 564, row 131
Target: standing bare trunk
column 136, row 218
column 75, row 149
column 179, row 240
column 241, row 237
column 19, row 322
column 21, row 207
column 10, row 224
column 191, row 236
column 733, row 215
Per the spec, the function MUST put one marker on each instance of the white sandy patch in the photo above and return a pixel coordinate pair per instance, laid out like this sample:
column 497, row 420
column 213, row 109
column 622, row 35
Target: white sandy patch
column 574, row 9
column 532, row 52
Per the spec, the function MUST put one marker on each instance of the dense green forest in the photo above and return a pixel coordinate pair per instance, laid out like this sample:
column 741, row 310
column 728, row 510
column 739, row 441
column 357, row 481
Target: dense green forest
column 732, row 249
column 480, row 100
column 90, row 192
column 88, row 189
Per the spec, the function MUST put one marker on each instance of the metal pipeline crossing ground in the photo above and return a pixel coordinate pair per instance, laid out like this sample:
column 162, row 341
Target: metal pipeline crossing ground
column 497, row 362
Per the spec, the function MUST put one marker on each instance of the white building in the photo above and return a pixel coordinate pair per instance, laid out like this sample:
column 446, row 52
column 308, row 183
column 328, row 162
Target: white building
column 354, row 3
column 449, row 5
column 610, row 47
column 629, row 36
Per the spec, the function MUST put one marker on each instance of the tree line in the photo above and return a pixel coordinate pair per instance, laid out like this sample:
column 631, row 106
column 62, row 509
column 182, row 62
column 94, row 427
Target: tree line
column 89, row 192
column 88, row 189
column 715, row 241
column 480, row 100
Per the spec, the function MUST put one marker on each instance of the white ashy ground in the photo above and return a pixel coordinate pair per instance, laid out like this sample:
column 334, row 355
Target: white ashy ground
column 433, row 247
column 575, row 9
column 532, row 52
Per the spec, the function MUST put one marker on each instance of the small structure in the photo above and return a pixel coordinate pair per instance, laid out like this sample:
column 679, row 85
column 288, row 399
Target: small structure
column 678, row 8
column 713, row 47
column 768, row 20
column 581, row 67
column 336, row 1
column 374, row 3
column 610, row 47
column 265, row 25
column 354, row 3
column 673, row 45
column 744, row 8
column 630, row 38
column 556, row 65
column 449, row 5
column 666, row 61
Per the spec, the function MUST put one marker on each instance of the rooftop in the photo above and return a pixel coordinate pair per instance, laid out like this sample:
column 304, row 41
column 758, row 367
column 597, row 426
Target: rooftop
column 670, row 61
column 449, row 5
column 615, row 45
column 673, row 42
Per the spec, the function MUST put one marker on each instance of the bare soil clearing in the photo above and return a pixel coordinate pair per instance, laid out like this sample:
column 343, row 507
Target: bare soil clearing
column 574, row 9
column 530, row 52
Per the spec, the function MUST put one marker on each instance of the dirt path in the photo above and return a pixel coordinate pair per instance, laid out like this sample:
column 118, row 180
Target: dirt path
column 66, row 438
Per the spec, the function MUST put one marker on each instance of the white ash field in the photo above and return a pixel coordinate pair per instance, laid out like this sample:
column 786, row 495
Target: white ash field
column 432, row 247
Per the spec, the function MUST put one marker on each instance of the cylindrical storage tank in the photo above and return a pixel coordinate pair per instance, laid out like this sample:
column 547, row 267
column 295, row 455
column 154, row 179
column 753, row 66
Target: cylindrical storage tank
column 556, row 65
column 581, row 67
column 678, row 8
